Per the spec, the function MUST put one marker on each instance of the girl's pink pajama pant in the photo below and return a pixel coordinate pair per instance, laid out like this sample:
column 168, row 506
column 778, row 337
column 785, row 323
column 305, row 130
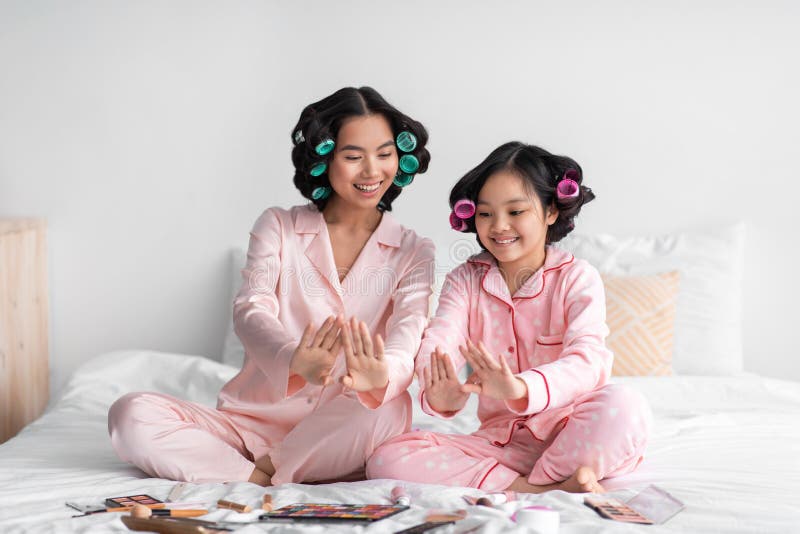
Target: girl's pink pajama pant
column 176, row 439
column 607, row 429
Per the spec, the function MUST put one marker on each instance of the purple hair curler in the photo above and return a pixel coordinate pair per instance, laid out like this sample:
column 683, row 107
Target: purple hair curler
column 457, row 223
column 464, row 208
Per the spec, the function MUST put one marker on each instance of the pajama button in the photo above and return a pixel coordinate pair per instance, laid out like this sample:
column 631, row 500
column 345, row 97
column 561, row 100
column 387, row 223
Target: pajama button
column 310, row 400
column 511, row 350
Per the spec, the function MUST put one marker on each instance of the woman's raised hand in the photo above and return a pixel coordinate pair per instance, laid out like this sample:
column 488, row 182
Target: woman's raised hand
column 442, row 388
column 366, row 366
column 315, row 355
column 491, row 377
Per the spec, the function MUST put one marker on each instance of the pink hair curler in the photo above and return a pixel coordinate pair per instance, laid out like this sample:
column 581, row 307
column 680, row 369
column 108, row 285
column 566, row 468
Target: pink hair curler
column 567, row 188
column 457, row 223
column 570, row 174
column 464, row 208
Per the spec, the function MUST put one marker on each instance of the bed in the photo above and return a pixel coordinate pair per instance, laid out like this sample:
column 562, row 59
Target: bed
column 725, row 442
column 726, row 446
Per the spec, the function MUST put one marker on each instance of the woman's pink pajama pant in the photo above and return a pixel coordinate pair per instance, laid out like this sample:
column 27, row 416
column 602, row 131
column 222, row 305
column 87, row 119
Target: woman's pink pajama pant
column 176, row 439
column 606, row 429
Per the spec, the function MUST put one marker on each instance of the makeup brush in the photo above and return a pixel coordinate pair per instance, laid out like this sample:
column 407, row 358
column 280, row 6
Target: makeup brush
column 241, row 508
column 143, row 511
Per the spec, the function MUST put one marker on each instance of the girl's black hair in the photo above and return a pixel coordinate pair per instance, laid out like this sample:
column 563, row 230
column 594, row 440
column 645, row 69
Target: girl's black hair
column 322, row 120
column 540, row 172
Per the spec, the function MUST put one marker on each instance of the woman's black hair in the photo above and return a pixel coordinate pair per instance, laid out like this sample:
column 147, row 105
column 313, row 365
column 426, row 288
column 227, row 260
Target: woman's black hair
column 322, row 120
column 540, row 172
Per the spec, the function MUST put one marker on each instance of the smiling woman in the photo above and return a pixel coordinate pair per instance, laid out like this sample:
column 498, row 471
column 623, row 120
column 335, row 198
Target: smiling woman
column 359, row 172
column 353, row 121
column 327, row 361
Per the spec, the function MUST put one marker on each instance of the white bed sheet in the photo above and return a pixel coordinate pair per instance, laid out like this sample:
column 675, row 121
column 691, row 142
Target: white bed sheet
column 729, row 447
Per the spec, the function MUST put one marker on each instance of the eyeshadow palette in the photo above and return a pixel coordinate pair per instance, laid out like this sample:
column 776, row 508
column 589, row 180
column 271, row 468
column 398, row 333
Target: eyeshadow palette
column 335, row 512
column 616, row 510
column 130, row 500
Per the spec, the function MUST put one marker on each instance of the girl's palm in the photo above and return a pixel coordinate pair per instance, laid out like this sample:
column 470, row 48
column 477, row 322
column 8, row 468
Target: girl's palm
column 442, row 388
column 492, row 377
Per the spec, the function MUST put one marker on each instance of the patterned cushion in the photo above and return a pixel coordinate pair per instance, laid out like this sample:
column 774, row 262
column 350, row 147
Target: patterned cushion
column 640, row 311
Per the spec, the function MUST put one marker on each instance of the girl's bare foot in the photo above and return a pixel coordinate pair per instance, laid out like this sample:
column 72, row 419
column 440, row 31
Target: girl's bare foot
column 583, row 480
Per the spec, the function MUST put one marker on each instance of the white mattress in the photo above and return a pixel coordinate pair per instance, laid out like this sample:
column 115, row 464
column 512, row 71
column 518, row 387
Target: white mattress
column 727, row 446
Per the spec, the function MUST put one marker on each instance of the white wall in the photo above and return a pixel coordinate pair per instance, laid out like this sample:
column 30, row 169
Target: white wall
column 151, row 134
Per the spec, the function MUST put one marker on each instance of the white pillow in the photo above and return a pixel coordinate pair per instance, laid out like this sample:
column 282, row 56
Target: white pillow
column 233, row 351
column 708, row 316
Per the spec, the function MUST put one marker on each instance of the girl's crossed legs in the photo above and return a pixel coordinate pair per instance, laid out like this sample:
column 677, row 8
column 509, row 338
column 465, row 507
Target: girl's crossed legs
column 604, row 436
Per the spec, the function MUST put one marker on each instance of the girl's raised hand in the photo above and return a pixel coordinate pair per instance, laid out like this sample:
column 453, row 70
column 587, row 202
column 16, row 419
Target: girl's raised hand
column 366, row 366
column 442, row 388
column 491, row 377
column 315, row 355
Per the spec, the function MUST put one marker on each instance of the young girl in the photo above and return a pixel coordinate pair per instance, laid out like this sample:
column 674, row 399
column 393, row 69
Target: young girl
column 529, row 319
column 331, row 312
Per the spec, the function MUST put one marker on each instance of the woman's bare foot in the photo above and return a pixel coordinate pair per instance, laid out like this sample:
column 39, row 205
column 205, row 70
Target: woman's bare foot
column 260, row 477
column 264, row 464
column 262, row 474
column 583, row 480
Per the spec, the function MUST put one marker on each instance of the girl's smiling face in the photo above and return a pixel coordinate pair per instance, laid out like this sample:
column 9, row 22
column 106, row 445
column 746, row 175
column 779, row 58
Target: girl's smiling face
column 364, row 161
column 511, row 223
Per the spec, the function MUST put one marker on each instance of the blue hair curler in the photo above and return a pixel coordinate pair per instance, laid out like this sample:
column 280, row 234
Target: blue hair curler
column 402, row 179
column 406, row 141
column 321, row 192
column 325, row 147
column 318, row 169
column 409, row 164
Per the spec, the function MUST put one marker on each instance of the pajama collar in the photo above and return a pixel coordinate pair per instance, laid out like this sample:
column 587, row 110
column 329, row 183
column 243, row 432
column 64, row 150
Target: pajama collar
column 493, row 282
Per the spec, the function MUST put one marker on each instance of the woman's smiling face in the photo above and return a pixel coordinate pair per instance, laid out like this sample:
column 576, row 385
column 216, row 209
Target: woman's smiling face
column 364, row 161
